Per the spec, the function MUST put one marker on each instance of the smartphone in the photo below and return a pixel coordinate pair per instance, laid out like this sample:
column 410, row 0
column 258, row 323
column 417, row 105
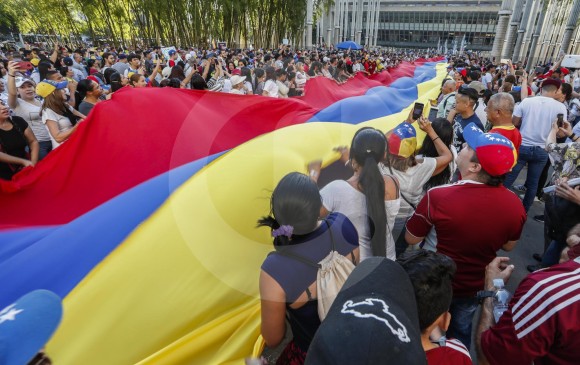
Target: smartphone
column 504, row 61
column 539, row 70
column 25, row 66
column 560, row 120
column 418, row 110
column 519, row 72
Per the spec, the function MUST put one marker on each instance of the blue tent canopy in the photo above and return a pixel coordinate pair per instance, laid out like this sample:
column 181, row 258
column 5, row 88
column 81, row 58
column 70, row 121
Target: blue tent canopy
column 348, row 44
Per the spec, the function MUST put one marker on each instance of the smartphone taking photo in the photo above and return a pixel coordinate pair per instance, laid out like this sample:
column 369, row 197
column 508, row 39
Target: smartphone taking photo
column 418, row 110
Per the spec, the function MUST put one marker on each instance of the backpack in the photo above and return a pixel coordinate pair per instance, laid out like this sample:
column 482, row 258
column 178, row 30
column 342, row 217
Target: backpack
column 333, row 270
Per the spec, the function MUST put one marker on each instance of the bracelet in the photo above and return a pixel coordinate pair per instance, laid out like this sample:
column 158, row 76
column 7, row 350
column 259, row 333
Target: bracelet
column 435, row 139
column 572, row 137
column 11, row 75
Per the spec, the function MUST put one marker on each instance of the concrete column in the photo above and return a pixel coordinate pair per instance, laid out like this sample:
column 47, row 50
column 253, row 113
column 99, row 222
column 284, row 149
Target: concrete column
column 508, row 46
column 359, row 21
column 532, row 59
column 570, row 26
column 309, row 22
column 504, row 17
column 530, row 27
column 522, row 31
column 377, row 23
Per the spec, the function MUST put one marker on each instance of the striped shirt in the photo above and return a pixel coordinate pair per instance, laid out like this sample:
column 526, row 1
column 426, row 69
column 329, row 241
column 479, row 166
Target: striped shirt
column 453, row 353
column 542, row 323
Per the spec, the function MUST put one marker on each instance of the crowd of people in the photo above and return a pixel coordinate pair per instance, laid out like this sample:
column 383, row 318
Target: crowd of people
column 438, row 210
column 53, row 90
column 442, row 211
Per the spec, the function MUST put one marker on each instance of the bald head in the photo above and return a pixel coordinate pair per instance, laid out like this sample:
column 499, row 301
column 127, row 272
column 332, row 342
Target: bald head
column 500, row 108
column 448, row 87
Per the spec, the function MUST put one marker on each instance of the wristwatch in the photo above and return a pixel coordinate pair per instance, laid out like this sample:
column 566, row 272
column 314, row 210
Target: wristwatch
column 482, row 294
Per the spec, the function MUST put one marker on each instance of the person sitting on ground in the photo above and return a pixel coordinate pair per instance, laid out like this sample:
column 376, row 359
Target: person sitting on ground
column 432, row 274
column 288, row 285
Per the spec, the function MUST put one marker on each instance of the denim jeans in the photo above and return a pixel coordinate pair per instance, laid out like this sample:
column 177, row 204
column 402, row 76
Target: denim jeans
column 536, row 158
column 462, row 311
column 552, row 254
column 45, row 148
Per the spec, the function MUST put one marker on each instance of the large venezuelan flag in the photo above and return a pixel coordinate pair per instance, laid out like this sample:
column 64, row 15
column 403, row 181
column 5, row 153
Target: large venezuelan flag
column 144, row 220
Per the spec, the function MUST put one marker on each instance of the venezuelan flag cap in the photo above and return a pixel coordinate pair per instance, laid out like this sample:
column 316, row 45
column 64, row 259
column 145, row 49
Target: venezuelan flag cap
column 47, row 87
column 26, row 326
column 495, row 153
column 403, row 140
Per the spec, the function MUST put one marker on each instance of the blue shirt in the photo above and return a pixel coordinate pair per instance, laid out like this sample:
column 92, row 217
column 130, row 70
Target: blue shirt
column 458, row 127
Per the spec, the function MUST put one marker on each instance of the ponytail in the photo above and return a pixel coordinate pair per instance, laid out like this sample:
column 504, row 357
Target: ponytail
column 373, row 186
column 271, row 222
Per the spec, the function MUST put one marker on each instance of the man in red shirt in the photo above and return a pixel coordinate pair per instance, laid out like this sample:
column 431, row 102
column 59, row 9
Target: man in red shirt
column 541, row 323
column 500, row 108
column 431, row 274
column 473, row 218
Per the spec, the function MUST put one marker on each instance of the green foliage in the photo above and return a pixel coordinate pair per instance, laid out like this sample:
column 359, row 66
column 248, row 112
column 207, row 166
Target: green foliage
column 168, row 22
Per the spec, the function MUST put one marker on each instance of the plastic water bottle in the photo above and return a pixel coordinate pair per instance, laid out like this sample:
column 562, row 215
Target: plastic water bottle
column 501, row 299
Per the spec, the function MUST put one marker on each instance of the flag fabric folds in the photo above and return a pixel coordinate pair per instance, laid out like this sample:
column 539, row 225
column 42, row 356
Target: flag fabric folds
column 144, row 221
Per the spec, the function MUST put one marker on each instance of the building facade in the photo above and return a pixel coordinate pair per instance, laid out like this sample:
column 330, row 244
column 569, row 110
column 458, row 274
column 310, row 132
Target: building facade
column 412, row 24
column 522, row 30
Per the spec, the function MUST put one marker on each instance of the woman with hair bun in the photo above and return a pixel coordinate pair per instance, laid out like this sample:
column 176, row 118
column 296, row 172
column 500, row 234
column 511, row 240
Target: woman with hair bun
column 287, row 284
column 369, row 199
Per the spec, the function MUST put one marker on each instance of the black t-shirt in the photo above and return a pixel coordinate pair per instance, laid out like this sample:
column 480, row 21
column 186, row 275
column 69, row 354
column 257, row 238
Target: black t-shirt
column 13, row 143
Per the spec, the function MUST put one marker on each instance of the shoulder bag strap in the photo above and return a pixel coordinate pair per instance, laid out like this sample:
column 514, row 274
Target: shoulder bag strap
column 352, row 258
column 297, row 258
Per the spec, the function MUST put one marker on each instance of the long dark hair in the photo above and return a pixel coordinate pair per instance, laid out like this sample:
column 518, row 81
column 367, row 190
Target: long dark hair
column 258, row 73
column 295, row 202
column 367, row 149
column 444, row 131
column 84, row 86
column 270, row 73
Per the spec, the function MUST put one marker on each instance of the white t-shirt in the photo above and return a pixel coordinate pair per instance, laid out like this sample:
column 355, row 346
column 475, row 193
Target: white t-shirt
column 480, row 112
column 487, row 78
column 31, row 114
column 248, row 86
column 300, row 79
column 340, row 196
column 272, row 88
column 538, row 113
column 63, row 123
column 411, row 182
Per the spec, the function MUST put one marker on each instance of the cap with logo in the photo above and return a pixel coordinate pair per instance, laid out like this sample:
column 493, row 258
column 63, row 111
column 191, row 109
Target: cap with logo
column 373, row 320
column 495, row 153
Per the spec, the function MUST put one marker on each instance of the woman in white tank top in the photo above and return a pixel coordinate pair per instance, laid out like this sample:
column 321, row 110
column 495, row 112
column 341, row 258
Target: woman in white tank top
column 369, row 199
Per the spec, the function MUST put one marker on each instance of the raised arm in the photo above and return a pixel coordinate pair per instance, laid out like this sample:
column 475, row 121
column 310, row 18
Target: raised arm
column 12, row 90
column 445, row 155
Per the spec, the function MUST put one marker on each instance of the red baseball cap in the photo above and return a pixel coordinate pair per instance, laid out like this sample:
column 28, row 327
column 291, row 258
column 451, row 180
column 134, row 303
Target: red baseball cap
column 495, row 153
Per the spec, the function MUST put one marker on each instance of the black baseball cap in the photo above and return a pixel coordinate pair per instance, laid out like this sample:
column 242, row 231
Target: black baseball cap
column 373, row 320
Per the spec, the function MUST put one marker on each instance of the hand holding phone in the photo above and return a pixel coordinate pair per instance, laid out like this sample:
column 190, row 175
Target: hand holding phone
column 418, row 111
column 560, row 121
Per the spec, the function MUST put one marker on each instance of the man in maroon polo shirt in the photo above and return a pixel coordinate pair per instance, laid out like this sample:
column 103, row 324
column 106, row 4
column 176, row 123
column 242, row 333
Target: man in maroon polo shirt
column 541, row 324
column 473, row 219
